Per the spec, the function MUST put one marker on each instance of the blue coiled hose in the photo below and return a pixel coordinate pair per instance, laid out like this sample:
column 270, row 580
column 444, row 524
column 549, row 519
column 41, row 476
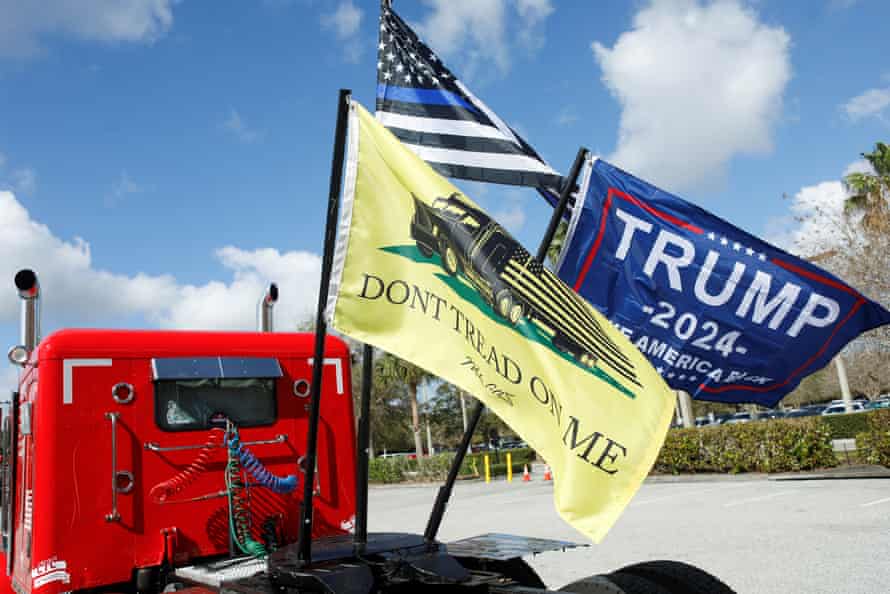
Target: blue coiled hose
column 256, row 469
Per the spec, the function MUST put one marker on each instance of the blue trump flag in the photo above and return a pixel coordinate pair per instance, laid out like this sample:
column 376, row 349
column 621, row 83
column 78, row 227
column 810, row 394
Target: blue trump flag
column 719, row 313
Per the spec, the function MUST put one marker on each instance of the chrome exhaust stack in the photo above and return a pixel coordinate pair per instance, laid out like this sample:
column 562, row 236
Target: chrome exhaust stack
column 29, row 291
column 267, row 303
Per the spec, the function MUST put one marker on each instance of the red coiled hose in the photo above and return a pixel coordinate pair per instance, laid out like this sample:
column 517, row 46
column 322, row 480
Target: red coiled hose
column 163, row 491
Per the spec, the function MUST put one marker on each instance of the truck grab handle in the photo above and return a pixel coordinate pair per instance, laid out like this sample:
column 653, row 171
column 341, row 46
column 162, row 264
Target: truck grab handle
column 155, row 447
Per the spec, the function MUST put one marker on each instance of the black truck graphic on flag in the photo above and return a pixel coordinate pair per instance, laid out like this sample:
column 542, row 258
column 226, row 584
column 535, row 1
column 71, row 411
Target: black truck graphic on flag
column 472, row 245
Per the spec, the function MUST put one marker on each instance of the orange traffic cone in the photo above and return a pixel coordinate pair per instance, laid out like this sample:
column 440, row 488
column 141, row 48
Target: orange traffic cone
column 547, row 475
column 526, row 477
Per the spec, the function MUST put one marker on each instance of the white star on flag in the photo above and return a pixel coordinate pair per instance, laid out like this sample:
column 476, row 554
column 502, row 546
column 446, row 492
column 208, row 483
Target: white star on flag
column 381, row 47
column 712, row 236
column 399, row 67
column 749, row 251
column 724, row 241
column 407, row 78
column 762, row 257
column 737, row 246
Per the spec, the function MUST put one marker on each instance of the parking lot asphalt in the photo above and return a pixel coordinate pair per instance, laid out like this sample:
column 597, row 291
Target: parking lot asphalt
column 759, row 536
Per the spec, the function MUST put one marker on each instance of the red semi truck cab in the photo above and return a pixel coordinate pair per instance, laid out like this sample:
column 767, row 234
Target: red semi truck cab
column 115, row 461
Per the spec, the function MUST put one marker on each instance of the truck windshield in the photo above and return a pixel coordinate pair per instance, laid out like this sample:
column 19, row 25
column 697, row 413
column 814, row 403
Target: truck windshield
column 186, row 405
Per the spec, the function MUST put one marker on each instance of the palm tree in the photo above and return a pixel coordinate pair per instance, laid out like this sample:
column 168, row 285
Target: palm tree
column 870, row 191
column 397, row 372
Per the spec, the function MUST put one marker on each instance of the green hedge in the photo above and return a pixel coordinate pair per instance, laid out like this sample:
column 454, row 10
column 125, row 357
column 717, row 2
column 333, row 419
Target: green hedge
column 402, row 468
column 519, row 457
column 435, row 468
column 768, row 446
column 873, row 445
column 847, row 426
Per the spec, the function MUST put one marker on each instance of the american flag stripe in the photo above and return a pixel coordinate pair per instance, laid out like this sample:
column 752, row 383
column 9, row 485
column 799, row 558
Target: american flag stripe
column 586, row 323
column 459, row 142
column 595, row 342
column 437, row 126
column 501, row 176
column 483, row 160
column 443, row 113
column 422, row 96
column 438, row 118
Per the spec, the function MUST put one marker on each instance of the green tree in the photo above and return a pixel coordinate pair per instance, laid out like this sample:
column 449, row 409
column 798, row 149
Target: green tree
column 854, row 243
column 870, row 191
column 396, row 373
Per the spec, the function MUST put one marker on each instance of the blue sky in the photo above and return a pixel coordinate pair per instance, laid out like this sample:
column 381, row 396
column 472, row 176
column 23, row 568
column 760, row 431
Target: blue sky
column 160, row 161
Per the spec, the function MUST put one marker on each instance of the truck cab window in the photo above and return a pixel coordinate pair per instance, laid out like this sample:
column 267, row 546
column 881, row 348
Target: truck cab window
column 187, row 405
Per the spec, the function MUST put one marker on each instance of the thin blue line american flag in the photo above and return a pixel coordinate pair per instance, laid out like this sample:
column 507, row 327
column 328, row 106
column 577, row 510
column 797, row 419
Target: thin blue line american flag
column 421, row 101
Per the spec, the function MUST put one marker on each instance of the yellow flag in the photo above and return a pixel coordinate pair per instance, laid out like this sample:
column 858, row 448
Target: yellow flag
column 422, row 272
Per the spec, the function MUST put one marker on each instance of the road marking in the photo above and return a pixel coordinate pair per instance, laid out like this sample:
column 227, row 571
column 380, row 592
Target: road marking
column 756, row 499
column 689, row 493
column 879, row 501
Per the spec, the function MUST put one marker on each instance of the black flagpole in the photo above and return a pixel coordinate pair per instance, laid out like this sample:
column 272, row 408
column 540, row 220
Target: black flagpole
column 444, row 494
column 363, row 451
column 305, row 533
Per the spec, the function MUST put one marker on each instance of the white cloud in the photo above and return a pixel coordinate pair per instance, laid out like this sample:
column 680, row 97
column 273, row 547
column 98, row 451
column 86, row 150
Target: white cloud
column 477, row 31
column 698, row 83
column 860, row 166
column 345, row 23
column 24, row 23
column 821, row 207
column 871, row 103
column 240, row 129
column 75, row 291
column 532, row 14
column 474, row 29
column 816, row 221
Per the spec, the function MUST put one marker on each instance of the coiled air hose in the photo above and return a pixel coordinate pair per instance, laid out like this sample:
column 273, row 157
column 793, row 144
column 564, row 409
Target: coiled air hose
column 162, row 492
column 239, row 512
column 256, row 469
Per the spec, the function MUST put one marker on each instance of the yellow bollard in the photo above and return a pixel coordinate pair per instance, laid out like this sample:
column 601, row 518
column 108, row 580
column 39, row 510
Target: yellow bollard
column 509, row 468
column 487, row 470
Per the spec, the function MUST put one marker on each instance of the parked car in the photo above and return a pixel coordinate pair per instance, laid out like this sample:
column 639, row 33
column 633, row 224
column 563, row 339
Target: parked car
column 839, row 409
column 877, row 404
column 739, row 417
column 803, row 412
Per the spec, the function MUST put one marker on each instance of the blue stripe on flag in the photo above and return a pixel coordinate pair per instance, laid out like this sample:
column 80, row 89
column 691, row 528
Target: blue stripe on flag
column 423, row 96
